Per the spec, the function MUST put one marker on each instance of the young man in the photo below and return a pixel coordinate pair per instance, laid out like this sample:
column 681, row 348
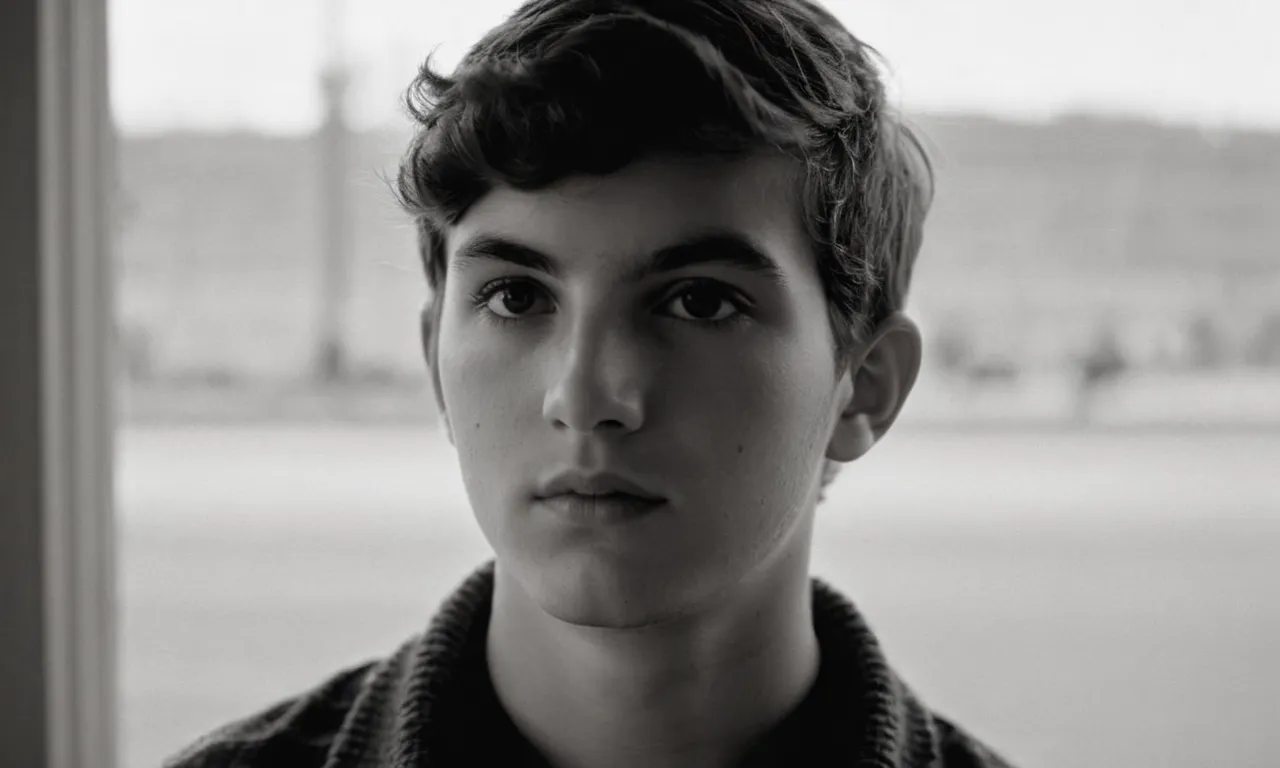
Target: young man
column 669, row 243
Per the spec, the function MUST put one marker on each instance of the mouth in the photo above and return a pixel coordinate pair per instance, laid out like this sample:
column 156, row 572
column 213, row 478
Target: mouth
column 614, row 506
column 604, row 486
column 596, row 497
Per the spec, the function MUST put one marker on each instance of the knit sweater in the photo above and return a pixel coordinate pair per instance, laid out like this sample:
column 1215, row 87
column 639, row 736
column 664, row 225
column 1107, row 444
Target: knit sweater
column 431, row 704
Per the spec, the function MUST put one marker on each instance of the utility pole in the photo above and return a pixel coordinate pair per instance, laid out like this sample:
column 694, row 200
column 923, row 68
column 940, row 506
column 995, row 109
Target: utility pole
column 333, row 363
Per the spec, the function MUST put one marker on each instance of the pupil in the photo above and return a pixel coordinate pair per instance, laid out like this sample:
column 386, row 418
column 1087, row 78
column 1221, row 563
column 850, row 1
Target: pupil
column 517, row 299
column 701, row 304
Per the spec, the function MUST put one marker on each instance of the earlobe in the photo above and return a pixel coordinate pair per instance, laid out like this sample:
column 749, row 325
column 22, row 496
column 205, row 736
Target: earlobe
column 448, row 428
column 430, row 343
column 853, row 437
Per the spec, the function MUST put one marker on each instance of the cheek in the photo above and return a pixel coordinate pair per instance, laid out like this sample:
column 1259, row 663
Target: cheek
column 745, row 437
column 755, row 422
column 479, row 371
column 485, row 393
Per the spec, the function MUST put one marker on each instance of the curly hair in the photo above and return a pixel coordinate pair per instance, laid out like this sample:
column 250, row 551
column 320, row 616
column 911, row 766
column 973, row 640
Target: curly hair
column 585, row 87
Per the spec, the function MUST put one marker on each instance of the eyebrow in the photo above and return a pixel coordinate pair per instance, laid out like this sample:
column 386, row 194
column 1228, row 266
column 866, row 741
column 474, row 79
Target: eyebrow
column 715, row 248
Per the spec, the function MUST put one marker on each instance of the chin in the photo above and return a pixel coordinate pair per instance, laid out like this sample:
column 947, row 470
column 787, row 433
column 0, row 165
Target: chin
column 595, row 590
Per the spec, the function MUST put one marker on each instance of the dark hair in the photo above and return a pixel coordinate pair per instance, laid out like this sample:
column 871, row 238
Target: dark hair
column 571, row 87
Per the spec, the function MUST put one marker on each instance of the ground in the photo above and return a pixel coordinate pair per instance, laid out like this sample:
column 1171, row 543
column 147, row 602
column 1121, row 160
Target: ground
column 1101, row 598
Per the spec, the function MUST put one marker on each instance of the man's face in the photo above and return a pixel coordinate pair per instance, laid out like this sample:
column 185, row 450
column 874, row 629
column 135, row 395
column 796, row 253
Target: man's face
column 575, row 339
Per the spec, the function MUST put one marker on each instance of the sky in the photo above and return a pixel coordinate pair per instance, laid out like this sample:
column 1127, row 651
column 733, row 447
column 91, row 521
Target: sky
column 255, row 64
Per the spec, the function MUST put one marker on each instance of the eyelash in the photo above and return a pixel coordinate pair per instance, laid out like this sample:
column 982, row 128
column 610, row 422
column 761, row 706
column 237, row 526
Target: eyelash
column 481, row 298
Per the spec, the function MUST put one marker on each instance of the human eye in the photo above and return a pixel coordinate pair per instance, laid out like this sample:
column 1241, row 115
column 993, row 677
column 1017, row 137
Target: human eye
column 511, row 299
column 707, row 302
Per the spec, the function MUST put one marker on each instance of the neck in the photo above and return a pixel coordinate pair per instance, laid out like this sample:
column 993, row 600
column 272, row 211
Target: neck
column 697, row 691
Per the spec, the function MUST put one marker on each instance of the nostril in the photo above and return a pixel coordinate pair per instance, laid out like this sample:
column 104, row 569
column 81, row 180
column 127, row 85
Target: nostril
column 607, row 425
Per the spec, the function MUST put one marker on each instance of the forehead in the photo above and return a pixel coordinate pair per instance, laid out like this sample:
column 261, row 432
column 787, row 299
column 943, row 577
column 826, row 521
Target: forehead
column 598, row 221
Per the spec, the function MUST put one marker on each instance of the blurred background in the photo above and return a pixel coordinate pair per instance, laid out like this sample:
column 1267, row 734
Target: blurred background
column 1070, row 543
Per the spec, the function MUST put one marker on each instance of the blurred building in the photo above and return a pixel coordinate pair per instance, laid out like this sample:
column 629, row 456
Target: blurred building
column 1041, row 236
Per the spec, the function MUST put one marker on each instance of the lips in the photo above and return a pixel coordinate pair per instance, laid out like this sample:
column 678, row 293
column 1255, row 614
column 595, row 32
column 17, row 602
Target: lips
column 597, row 497
column 600, row 485
column 611, row 508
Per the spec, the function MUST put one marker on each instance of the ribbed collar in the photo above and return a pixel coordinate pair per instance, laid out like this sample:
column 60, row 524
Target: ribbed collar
column 402, row 717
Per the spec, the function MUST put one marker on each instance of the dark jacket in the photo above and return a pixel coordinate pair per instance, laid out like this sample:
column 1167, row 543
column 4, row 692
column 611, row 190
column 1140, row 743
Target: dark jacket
column 431, row 705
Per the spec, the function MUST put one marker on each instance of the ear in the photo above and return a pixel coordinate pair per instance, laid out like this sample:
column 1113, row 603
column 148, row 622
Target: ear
column 879, row 377
column 429, row 322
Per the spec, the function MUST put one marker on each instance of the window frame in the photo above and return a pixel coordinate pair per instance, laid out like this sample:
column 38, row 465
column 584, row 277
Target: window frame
column 57, row 526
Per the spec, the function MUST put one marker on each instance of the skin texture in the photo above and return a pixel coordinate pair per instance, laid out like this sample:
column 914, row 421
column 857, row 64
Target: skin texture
column 679, row 636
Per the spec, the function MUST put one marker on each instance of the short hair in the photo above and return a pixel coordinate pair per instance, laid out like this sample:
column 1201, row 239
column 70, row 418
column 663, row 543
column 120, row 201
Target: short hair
column 585, row 87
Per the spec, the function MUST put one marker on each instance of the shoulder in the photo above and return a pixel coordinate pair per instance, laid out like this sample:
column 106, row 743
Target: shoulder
column 958, row 749
column 298, row 731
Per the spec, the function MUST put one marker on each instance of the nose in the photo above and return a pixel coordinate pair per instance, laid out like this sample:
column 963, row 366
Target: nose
column 596, row 382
